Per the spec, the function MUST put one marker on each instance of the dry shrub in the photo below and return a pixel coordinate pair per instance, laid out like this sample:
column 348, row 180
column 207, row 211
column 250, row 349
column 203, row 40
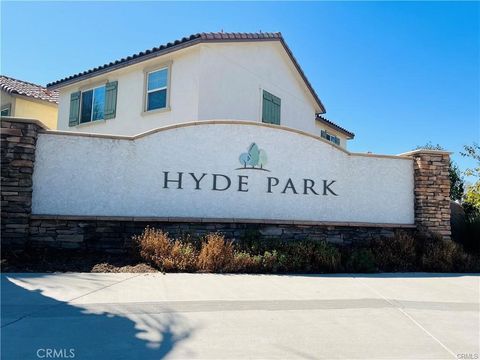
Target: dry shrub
column 183, row 256
column 395, row 254
column 157, row 249
column 216, row 254
column 153, row 246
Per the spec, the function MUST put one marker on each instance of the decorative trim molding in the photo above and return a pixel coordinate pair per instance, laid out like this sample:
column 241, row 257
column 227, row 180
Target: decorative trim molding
column 221, row 122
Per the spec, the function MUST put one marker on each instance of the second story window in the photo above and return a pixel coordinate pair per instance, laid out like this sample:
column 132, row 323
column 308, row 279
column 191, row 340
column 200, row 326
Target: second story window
column 99, row 103
column 332, row 138
column 92, row 105
column 157, row 89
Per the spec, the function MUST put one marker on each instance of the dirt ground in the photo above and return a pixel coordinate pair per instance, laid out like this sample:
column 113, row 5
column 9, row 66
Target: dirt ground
column 46, row 261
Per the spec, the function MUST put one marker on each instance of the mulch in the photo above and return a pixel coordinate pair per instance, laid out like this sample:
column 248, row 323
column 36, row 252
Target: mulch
column 46, row 261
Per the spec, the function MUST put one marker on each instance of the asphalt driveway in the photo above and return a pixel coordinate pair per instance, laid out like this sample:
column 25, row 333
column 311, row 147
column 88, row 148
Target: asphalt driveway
column 206, row 316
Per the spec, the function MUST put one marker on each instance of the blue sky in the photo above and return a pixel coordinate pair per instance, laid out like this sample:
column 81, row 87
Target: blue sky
column 397, row 74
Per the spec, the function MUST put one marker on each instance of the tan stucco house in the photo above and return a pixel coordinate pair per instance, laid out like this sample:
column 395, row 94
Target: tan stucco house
column 207, row 76
column 22, row 99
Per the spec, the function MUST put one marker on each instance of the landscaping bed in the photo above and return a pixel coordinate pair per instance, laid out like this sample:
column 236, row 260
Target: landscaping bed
column 154, row 250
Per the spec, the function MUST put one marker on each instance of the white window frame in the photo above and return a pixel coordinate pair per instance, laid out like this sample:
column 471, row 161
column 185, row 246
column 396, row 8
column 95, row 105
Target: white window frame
column 93, row 100
column 147, row 71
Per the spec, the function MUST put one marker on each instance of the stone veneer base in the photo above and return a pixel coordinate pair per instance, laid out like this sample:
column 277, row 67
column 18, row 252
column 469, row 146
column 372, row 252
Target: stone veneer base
column 115, row 234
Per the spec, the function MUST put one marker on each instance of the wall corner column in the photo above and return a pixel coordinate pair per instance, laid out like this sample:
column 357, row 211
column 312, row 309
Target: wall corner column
column 432, row 191
column 18, row 143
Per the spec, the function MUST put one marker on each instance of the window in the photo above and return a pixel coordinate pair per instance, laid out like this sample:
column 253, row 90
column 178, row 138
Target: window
column 334, row 139
column 6, row 110
column 92, row 105
column 157, row 90
column 270, row 108
column 99, row 103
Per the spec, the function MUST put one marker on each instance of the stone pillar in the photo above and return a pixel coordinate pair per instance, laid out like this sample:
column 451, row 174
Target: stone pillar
column 18, row 141
column 432, row 191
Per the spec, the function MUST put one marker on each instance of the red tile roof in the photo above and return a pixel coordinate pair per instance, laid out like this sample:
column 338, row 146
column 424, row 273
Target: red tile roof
column 335, row 126
column 183, row 43
column 14, row 86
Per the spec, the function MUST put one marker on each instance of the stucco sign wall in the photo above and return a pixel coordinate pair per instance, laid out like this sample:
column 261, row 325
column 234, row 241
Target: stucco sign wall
column 227, row 170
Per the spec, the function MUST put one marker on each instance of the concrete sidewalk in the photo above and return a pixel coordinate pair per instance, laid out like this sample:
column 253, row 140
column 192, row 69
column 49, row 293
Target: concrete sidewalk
column 206, row 316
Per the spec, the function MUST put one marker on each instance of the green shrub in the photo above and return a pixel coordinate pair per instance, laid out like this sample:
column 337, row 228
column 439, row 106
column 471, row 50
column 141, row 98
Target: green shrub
column 245, row 263
column 441, row 255
column 270, row 261
column 398, row 253
column 472, row 235
column 361, row 260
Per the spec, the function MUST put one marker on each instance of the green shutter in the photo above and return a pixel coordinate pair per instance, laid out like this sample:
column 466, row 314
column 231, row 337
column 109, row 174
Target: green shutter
column 111, row 99
column 271, row 108
column 74, row 109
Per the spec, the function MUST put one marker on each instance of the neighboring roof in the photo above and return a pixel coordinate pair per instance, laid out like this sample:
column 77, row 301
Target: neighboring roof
column 19, row 87
column 335, row 126
column 181, row 44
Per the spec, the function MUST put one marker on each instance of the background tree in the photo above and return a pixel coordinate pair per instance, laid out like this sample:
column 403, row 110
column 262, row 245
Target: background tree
column 457, row 184
column 472, row 195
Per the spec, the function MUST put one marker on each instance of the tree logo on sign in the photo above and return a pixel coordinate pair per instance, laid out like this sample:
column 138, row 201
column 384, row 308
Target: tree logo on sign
column 254, row 159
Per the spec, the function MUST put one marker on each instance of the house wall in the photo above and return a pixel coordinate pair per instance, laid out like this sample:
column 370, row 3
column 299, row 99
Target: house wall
column 44, row 111
column 6, row 98
column 208, row 81
column 234, row 75
column 28, row 108
column 130, row 116
column 320, row 126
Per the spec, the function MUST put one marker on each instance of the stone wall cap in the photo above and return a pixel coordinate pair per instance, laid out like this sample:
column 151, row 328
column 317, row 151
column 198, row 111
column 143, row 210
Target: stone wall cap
column 426, row 151
column 218, row 220
column 24, row 120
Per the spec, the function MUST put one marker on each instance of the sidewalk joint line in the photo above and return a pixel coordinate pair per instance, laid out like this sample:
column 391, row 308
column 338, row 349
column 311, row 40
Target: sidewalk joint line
column 395, row 306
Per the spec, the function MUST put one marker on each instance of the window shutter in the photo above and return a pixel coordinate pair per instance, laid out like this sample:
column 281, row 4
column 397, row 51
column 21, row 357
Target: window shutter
column 271, row 108
column 74, row 109
column 276, row 110
column 110, row 99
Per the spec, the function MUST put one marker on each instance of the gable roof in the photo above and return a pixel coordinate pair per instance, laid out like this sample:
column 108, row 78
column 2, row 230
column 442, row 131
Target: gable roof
column 181, row 44
column 335, row 126
column 19, row 87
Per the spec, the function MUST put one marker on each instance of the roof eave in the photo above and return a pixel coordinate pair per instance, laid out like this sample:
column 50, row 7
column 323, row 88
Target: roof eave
column 94, row 73
column 304, row 77
column 349, row 134
column 120, row 65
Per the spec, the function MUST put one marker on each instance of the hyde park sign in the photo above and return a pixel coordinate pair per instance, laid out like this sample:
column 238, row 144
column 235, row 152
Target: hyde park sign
column 255, row 159
column 212, row 170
